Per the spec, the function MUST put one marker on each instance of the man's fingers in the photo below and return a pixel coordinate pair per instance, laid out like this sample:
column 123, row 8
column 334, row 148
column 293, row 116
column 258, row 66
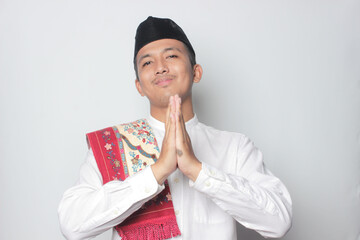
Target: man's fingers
column 181, row 119
column 168, row 116
column 172, row 124
column 180, row 140
column 183, row 126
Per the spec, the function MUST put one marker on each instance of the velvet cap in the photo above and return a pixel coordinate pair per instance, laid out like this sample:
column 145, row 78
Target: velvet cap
column 153, row 29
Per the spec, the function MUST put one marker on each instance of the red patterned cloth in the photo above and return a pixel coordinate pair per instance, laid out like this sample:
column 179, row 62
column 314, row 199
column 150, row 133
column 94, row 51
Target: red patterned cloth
column 121, row 151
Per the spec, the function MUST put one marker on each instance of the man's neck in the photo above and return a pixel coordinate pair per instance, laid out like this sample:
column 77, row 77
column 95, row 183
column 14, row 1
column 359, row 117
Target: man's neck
column 159, row 113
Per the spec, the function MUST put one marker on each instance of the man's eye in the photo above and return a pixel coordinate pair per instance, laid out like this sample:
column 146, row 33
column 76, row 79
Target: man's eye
column 146, row 63
column 172, row 56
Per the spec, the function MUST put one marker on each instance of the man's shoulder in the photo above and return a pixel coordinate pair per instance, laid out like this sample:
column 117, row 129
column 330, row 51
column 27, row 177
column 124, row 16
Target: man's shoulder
column 222, row 134
column 225, row 138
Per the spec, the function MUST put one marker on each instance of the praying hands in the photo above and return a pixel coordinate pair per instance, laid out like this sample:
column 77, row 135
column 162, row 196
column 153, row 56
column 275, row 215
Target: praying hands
column 176, row 151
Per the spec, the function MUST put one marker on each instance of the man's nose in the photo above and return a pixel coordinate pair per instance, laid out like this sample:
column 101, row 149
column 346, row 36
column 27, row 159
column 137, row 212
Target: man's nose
column 161, row 67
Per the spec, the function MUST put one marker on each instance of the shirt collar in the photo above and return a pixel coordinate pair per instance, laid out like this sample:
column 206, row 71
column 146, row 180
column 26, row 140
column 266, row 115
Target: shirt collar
column 161, row 126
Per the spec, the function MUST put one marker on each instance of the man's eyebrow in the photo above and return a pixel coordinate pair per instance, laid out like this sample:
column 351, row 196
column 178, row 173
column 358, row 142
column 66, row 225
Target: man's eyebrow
column 172, row 48
column 142, row 57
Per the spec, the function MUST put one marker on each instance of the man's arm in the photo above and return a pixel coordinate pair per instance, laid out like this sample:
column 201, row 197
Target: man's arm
column 90, row 208
column 251, row 195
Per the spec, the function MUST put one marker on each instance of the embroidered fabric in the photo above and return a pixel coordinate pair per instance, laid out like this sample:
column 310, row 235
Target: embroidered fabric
column 122, row 151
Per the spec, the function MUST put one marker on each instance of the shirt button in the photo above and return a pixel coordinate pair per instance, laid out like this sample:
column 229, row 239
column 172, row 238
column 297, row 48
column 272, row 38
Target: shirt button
column 212, row 173
column 116, row 212
column 176, row 212
column 176, row 180
column 147, row 189
column 207, row 183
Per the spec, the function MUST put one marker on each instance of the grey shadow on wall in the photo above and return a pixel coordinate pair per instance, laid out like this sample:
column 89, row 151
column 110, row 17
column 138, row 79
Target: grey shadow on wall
column 247, row 234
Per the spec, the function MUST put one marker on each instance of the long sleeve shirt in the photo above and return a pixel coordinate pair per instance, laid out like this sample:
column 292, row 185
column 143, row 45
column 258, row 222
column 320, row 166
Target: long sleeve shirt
column 233, row 185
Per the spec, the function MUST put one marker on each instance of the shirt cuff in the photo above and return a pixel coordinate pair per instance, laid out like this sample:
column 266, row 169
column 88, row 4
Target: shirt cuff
column 144, row 184
column 209, row 180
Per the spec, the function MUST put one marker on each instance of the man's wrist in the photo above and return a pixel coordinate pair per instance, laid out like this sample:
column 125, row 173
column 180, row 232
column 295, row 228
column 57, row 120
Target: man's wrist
column 159, row 173
column 194, row 170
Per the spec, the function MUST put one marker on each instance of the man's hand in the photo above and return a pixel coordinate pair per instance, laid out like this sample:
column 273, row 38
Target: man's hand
column 166, row 164
column 176, row 150
column 186, row 160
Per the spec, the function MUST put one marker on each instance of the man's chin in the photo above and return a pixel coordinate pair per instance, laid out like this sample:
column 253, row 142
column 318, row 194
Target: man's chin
column 164, row 100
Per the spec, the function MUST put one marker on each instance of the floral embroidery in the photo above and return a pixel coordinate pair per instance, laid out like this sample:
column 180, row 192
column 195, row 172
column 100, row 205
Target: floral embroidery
column 110, row 154
column 138, row 148
column 139, row 158
column 122, row 152
column 117, row 163
column 136, row 161
column 159, row 199
column 168, row 196
column 108, row 146
column 142, row 131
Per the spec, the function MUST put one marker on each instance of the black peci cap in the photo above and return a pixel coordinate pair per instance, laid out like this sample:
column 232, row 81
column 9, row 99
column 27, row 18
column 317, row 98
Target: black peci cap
column 153, row 29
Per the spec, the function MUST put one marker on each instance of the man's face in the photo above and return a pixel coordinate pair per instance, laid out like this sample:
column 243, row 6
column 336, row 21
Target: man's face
column 164, row 70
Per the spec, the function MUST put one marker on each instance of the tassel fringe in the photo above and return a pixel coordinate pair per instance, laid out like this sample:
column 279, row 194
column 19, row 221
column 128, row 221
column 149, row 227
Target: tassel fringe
column 152, row 230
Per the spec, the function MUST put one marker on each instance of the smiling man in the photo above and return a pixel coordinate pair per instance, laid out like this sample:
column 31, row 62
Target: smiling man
column 170, row 176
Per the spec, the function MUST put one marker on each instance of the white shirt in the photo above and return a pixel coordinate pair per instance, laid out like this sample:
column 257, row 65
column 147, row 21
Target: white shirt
column 233, row 185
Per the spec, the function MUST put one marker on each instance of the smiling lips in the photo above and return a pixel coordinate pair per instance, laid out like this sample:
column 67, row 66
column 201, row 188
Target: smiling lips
column 164, row 81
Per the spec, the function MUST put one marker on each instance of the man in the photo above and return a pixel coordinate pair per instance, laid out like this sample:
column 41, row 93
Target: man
column 201, row 183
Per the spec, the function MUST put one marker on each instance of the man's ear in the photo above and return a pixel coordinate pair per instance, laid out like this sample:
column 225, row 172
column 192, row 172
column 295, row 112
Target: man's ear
column 138, row 87
column 198, row 71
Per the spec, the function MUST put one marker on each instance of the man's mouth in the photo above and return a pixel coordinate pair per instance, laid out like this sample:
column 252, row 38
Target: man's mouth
column 164, row 81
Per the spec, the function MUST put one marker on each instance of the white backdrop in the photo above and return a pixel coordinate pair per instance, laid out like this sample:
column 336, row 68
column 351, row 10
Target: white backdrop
column 285, row 73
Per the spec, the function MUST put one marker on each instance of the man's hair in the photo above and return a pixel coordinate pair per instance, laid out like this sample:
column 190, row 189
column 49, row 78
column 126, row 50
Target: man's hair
column 190, row 54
